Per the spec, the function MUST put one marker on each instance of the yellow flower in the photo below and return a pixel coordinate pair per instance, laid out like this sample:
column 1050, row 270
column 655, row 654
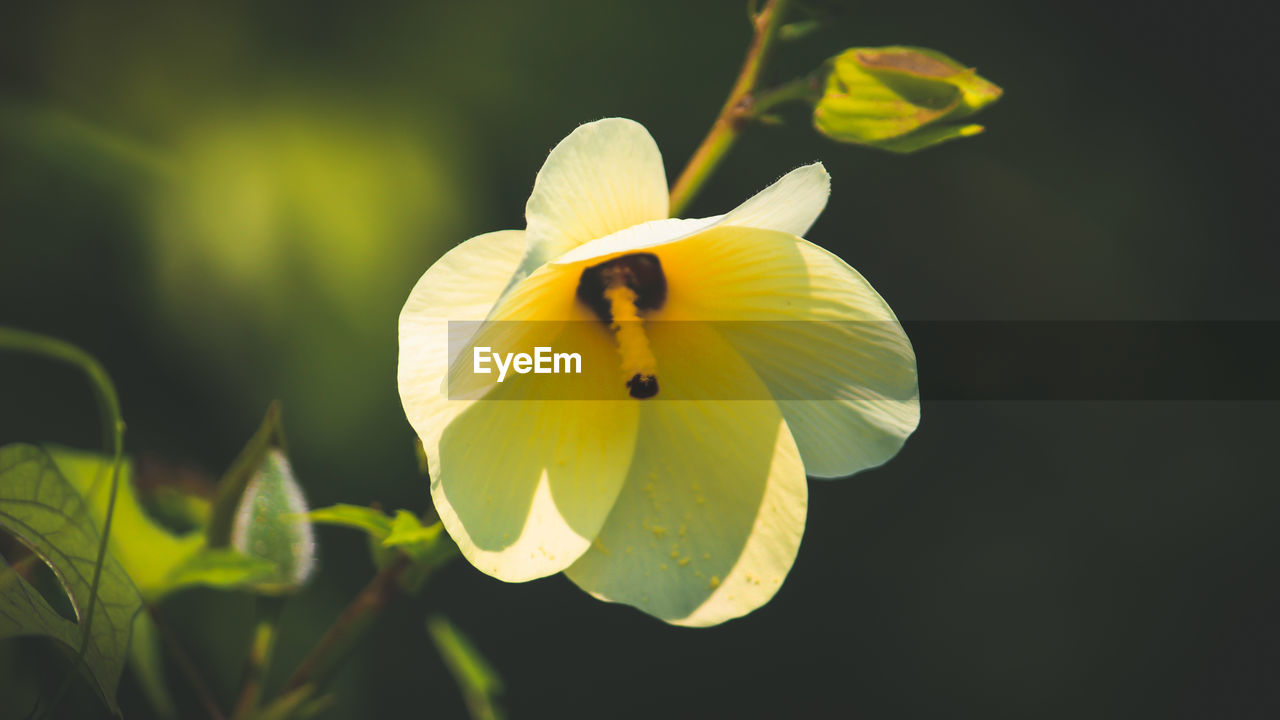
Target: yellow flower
column 742, row 356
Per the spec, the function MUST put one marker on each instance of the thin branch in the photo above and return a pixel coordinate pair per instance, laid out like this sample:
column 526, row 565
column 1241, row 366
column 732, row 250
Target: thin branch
column 349, row 627
column 113, row 438
column 267, row 610
column 736, row 111
column 807, row 89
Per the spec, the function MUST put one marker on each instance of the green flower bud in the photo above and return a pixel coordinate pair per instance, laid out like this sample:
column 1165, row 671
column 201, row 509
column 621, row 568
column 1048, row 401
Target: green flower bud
column 900, row 98
column 271, row 523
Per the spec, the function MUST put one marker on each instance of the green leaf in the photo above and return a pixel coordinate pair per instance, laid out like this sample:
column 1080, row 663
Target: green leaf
column 271, row 523
column 147, row 662
column 148, row 551
column 176, row 505
column 797, row 30
column 899, row 98
column 479, row 684
column 929, row 137
column 408, row 534
column 222, row 568
column 287, row 706
column 42, row 510
column 158, row 561
column 374, row 522
column 427, row 546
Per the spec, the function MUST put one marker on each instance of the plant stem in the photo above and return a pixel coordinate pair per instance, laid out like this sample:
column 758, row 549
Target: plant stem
column 348, row 628
column 734, row 114
column 187, row 666
column 255, row 669
column 803, row 89
column 113, row 439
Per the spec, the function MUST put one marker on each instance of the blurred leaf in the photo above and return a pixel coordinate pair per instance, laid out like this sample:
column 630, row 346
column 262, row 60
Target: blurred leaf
column 408, row 534
column 157, row 560
column 79, row 147
column 147, row 550
column 222, row 568
column 479, row 684
column 287, row 706
column 177, row 496
column 374, row 522
column 424, row 545
column 296, row 705
column 42, row 510
column 929, row 136
column 147, row 662
column 232, row 486
column 899, row 98
column 181, row 508
column 427, row 546
column 271, row 523
column 797, row 30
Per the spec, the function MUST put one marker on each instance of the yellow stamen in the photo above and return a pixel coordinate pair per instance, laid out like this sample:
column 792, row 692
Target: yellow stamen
column 638, row 364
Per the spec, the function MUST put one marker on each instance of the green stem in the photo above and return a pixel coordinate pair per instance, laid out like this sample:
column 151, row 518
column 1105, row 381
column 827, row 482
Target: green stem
column 259, row 660
column 113, row 439
column 735, row 113
column 63, row 135
column 803, row 89
column 350, row 626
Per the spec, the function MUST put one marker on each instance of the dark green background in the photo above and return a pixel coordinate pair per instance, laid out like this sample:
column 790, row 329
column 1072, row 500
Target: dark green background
column 1018, row 559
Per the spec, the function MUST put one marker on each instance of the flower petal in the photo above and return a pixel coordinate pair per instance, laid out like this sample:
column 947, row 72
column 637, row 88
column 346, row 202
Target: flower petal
column 462, row 285
column 522, row 483
column 639, row 237
column 823, row 341
column 710, row 519
column 604, row 177
column 789, row 205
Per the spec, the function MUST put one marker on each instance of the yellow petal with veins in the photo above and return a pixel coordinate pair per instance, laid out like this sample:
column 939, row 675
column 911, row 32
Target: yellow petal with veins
column 789, row 205
column 604, row 177
column 527, row 501
column 824, row 342
column 461, row 286
column 710, row 518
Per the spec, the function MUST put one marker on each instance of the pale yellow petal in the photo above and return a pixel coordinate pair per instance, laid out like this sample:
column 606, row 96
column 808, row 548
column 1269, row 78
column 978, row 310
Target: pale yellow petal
column 635, row 239
column 522, row 485
column 604, row 177
column 789, row 205
column 525, row 485
column 710, row 519
column 461, row 286
column 823, row 341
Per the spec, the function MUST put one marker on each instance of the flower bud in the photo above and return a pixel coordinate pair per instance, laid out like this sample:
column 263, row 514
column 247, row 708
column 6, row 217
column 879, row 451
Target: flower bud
column 271, row 523
column 900, row 98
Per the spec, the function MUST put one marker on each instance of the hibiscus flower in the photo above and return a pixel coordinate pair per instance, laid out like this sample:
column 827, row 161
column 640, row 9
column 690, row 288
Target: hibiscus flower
column 740, row 357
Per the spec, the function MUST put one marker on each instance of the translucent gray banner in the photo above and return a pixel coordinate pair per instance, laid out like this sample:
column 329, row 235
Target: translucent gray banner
column 871, row 361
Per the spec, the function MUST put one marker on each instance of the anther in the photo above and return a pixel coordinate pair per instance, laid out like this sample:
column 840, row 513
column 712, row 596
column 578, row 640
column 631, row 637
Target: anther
column 642, row 272
column 618, row 291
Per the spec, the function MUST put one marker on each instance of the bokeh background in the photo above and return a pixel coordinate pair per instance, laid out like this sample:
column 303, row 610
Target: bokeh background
column 228, row 203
